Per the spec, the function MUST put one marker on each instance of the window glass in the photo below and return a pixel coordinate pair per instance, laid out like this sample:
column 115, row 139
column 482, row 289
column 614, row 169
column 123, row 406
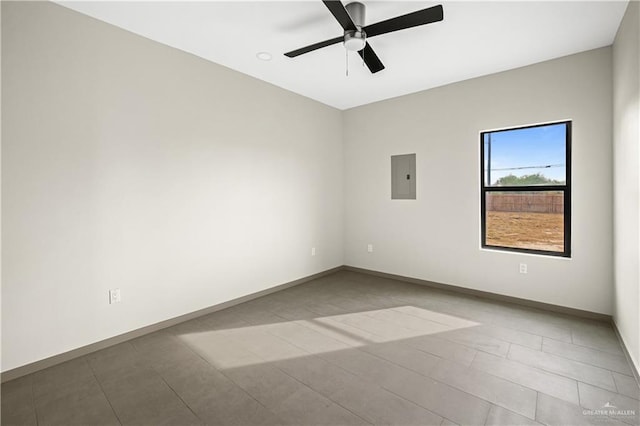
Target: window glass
column 528, row 220
column 528, row 156
column 526, row 189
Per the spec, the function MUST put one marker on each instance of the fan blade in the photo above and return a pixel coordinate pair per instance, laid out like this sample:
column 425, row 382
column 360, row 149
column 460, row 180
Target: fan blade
column 371, row 59
column 340, row 13
column 410, row 20
column 314, row 46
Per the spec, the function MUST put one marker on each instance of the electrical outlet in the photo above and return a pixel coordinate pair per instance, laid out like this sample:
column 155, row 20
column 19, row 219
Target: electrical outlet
column 370, row 248
column 523, row 268
column 114, row 296
column 313, row 251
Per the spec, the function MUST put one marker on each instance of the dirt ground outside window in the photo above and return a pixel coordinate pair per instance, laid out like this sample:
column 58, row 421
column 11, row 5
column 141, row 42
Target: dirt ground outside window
column 536, row 231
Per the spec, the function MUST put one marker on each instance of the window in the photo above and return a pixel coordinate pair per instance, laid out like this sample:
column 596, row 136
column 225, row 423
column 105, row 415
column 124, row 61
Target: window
column 525, row 189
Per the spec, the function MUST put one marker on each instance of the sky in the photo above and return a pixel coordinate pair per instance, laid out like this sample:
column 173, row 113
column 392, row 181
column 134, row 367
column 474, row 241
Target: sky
column 534, row 146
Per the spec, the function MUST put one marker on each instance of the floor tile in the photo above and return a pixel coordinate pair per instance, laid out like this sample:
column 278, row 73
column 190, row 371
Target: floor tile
column 411, row 322
column 52, row 391
column 381, row 407
column 346, row 333
column 303, row 408
column 444, row 400
column 163, row 351
column 499, row 416
column 214, row 398
column 71, row 371
column 195, row 325
column 498, row 391
column 17, row 395
column 18, row 405
column 221, row 320
column 219, row 350
column 306, row 338
column 530, row 325
column 627, row 385
column 387, row 330
column 296, row 311
column 320, row 375
column 320, row 305
column 434, row 396
column 266, row 383
column 116, row 363
column 156, row 339
column 479, row 341
column 443, row 348
column 551, row 384
column 404, row 355
column 522, row 338
column 595, row 398
column 22, row 416
column 278, row 391
column 362, row 397
column 602, row 338
column 267, row 346
column 437, row 304
column 252, row 316
column 598, row 358
column 377, row 370
column 145, row 398
column 435, row 316
column 562, row 366
column 346, row 302
column 556, row 412
column 81, row 407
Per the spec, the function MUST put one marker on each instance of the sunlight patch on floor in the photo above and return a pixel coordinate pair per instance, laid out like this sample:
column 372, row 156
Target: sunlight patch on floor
column 278, row 341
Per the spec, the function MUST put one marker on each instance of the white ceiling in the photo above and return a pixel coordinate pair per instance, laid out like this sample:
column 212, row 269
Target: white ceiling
column 476, row 38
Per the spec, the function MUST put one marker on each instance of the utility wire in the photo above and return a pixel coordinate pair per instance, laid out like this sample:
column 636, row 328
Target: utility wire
column 548, row 166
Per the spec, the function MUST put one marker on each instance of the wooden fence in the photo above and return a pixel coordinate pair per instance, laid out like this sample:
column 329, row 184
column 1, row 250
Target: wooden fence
column 530, row 203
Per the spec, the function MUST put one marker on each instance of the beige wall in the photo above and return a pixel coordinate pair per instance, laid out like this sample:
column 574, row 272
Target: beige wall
column 128, row 164
column 437, row 236
column 626, row 188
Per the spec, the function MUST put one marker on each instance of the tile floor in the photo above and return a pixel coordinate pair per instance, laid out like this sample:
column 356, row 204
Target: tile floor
column 346, row 349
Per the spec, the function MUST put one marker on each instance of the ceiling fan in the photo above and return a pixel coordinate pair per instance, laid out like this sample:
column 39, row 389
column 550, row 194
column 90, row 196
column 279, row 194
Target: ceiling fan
column 351, row 18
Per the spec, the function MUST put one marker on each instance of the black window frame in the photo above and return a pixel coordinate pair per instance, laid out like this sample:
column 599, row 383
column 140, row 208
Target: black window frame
column 565, row 189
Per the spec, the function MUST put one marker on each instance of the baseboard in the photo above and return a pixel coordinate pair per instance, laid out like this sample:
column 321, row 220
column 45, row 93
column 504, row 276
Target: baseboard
column 488, row 295
column 627, row 354
column 84, row 350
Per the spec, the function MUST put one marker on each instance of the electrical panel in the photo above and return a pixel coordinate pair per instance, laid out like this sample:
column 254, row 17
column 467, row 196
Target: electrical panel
column 403, row 177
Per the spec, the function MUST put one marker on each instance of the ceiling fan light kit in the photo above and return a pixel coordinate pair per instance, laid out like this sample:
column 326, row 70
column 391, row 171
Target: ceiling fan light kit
column 352, row 17
column 355, row 40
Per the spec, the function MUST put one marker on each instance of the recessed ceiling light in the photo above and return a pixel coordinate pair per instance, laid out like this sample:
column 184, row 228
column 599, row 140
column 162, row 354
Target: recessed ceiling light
column 264, row 56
